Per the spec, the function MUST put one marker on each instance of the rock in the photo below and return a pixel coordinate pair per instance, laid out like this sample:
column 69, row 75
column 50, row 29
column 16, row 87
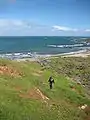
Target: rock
column 83, row 107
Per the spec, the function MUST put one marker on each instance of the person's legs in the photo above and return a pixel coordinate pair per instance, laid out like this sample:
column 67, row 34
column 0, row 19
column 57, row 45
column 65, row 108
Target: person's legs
column 50, row 86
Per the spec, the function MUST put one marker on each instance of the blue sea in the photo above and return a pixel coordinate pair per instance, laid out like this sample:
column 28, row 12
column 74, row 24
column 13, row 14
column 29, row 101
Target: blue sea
column 29, row 46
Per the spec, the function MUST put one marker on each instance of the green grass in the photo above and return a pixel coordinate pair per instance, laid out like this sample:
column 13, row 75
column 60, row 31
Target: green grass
column 63, row 99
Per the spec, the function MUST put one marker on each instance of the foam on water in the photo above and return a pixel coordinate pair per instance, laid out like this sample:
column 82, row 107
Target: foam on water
column 16, row 55
column 70, row 46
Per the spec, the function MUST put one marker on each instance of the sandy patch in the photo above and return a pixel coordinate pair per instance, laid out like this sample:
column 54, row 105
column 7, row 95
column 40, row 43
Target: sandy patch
column 34, row 94
column 10, row 71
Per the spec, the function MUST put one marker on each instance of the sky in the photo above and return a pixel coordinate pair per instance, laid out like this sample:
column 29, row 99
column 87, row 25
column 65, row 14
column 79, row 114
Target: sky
column 44, row 17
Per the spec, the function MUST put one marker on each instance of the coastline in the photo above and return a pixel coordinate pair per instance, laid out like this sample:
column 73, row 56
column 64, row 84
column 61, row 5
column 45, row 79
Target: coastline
column 37, row 57
column 82, row 53
column 49, row 47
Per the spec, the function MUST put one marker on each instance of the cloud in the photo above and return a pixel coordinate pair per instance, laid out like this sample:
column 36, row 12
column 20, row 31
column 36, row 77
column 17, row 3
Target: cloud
column 15, row 27
column 9, row 27
column 13, row 23
column 87, row 30
column 63, row 28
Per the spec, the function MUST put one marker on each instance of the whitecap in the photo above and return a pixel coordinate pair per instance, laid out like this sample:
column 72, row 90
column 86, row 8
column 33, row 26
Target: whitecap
column 17, row 54
column 66, row 46
column 52, row 45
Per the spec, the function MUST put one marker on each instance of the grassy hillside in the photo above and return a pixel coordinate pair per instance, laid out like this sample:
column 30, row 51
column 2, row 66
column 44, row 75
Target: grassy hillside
column 25, row 93
column 76, row 68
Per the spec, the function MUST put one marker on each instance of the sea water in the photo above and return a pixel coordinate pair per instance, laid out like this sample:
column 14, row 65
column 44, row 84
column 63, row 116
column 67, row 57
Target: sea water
column 14, row 47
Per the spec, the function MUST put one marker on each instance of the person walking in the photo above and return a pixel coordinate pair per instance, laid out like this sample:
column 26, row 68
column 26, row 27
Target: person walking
column 51, row 81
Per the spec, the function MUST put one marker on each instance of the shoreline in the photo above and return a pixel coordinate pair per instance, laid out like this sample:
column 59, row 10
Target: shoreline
column 83, row 53
column 37, row 57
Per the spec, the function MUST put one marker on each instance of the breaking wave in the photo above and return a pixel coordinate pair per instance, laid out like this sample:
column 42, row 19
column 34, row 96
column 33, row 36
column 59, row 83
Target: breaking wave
column 17, row 55
column 70, row 46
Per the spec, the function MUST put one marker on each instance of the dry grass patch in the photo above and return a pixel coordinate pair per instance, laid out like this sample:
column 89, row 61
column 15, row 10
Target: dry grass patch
column 8, row 70
column 34, row 94
column 37, row 73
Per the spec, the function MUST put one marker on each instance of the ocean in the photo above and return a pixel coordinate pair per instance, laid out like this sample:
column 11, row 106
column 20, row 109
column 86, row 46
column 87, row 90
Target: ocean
column 29, row 46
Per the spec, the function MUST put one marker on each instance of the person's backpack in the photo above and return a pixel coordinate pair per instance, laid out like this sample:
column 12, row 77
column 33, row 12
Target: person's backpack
column 52, row 80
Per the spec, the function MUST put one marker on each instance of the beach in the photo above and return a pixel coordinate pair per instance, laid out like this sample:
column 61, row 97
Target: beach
column 85, row 53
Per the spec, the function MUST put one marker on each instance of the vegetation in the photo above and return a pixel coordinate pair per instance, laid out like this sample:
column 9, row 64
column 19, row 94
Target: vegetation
column 25, row 94
column 76, row 68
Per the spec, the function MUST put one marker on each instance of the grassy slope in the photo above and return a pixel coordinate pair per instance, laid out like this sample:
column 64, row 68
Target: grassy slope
column 76, row 68
column 63, row 103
